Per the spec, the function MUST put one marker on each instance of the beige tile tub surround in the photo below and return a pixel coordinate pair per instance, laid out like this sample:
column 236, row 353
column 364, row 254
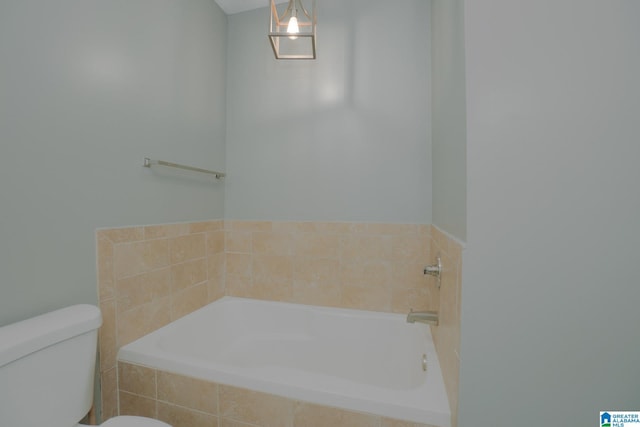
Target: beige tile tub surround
column 150, row 276
column 367, row 266
column 188, row 402
column 147, row 277
column 447, row 334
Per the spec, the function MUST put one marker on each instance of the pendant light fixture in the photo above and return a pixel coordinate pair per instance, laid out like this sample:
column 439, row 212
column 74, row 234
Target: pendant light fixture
column 293, row 31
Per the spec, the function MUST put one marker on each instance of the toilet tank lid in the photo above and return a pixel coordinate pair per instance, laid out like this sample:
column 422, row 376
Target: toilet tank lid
column 22, row 338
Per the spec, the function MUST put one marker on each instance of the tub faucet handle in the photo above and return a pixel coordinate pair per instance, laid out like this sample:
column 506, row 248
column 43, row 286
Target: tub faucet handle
column 435, row 270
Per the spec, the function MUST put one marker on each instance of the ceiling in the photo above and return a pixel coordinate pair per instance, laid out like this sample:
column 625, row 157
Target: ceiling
column 235, row 6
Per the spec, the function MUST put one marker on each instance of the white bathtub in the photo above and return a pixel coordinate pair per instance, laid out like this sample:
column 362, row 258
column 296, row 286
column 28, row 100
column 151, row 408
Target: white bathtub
column 350, row 359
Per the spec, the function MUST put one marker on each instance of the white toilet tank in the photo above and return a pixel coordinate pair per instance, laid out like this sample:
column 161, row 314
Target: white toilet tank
column 47, row 368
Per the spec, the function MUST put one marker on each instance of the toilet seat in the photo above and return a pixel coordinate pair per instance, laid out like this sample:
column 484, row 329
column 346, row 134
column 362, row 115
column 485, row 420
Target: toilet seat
column 130, row 421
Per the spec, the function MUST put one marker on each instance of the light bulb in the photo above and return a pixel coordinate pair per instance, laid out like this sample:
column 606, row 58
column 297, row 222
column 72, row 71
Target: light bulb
column 292, row 28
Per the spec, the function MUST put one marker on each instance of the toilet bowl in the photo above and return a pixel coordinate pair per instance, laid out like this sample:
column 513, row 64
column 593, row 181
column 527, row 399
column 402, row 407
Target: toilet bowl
column 129, row 421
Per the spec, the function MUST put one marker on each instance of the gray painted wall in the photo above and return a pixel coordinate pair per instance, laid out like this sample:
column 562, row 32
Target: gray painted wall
column 550, row 298
column 345, row 137
column 87, row 89
column 448, row 108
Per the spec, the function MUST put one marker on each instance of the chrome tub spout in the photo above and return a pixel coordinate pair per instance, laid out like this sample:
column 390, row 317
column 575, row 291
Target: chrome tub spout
column 429, row 317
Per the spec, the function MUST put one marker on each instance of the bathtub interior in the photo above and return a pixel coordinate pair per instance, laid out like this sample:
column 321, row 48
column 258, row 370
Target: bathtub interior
column 340, row 343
